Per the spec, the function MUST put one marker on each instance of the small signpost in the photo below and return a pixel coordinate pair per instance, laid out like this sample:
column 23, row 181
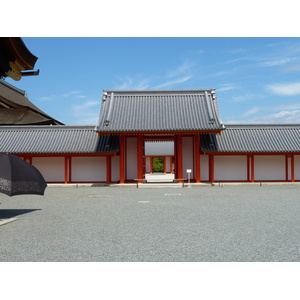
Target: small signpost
column 189, row 171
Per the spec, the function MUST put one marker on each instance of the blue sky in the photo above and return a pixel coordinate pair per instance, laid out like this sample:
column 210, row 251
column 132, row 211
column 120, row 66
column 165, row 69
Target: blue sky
column 257, row 80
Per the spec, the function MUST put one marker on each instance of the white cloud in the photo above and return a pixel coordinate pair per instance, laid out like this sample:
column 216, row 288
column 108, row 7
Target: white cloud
column 172, row 82
column 183, row 69
column 277, row 62
column 130, row 83
column 285, row 89
column 252, row 111
column 87, row 112
column 227, row 87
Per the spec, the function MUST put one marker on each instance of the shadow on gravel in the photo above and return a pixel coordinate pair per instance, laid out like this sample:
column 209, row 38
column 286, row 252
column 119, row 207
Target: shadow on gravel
column 10, row 213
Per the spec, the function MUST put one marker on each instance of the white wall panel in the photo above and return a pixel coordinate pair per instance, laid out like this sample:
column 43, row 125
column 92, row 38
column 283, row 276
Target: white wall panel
column 269, row 167
column 204, row 167
column 297, row 167
column 52, row 168
column 88, row 169
column 115, row 168
column 230, row 167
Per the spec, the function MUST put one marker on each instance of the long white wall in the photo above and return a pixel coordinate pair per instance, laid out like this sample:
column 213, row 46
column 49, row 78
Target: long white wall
column 269, row 167
column 88, row 169
column 115, row 168
column 230, row 167
column 297, row 167
column 204, row 167
column 52, row 168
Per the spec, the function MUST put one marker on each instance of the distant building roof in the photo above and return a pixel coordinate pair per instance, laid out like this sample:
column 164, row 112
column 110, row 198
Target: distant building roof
column 16, row 109
column 254, row 138
column 55, row 139
column 159, row 111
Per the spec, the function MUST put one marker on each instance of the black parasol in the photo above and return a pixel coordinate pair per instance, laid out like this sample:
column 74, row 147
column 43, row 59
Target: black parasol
column 18, row 177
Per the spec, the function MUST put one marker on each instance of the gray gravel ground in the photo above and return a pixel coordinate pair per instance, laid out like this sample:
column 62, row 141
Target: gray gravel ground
column 200, row 224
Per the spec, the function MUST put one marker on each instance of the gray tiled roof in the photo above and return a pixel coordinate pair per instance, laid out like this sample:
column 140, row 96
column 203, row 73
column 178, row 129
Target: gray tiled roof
column 169, row 110
column 20, row 110
column 254, row 138
column 55, row 139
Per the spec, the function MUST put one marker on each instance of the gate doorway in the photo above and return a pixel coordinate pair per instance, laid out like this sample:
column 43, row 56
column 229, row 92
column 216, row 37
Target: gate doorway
column 159, row 160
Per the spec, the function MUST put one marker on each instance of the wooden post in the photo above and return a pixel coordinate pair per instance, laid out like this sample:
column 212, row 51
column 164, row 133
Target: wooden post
column 122, row 159
column 292, row 168
column 67, row 169
column 211, row 168
column 179, row 157
column 140, row 154
column 197, row 157
column 252, row 168
column 108, row 169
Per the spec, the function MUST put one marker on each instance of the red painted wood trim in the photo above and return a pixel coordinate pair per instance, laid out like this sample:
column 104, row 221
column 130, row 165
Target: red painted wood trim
column 252, row 169
column 197, row 157
column 211, row 168
column 108, row 169
column 140, row 157
column 292, row 168
column 66, row 177
column 122, row 159
column 179, row 157
column 286, row 167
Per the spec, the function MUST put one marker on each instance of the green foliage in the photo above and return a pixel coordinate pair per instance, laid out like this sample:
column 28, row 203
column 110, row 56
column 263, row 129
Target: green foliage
column 158, row 165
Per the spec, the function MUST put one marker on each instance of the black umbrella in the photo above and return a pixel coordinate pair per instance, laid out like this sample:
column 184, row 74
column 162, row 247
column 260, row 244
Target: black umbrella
column 18, row 177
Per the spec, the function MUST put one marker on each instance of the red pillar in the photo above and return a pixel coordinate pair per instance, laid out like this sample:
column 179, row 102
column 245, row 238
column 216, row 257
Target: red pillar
column 67, row 169
column 211, row 168
column 292, row 168
column 108, row 169
column 179, row 157
column 197, row 157
column 140, row 155
column 286, row 167
column 252, row 168
column 122, row 159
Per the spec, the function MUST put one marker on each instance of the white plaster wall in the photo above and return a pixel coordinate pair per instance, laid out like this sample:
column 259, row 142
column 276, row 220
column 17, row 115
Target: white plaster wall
column 204, row 167
column 88, row 169
column 230, row 167
column 52, row 168
column 131, row 158
column 159, row 148
column 115, row 168
column 269, row 167
column 297, row 167
column 187, row 156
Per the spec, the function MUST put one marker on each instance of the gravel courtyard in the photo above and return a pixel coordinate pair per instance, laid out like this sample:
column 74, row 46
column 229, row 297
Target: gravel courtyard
column 234, row 223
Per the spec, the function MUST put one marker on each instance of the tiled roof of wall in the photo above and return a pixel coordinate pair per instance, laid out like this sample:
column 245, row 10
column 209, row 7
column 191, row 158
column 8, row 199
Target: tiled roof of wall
column 254, row 138
column 55, row 139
